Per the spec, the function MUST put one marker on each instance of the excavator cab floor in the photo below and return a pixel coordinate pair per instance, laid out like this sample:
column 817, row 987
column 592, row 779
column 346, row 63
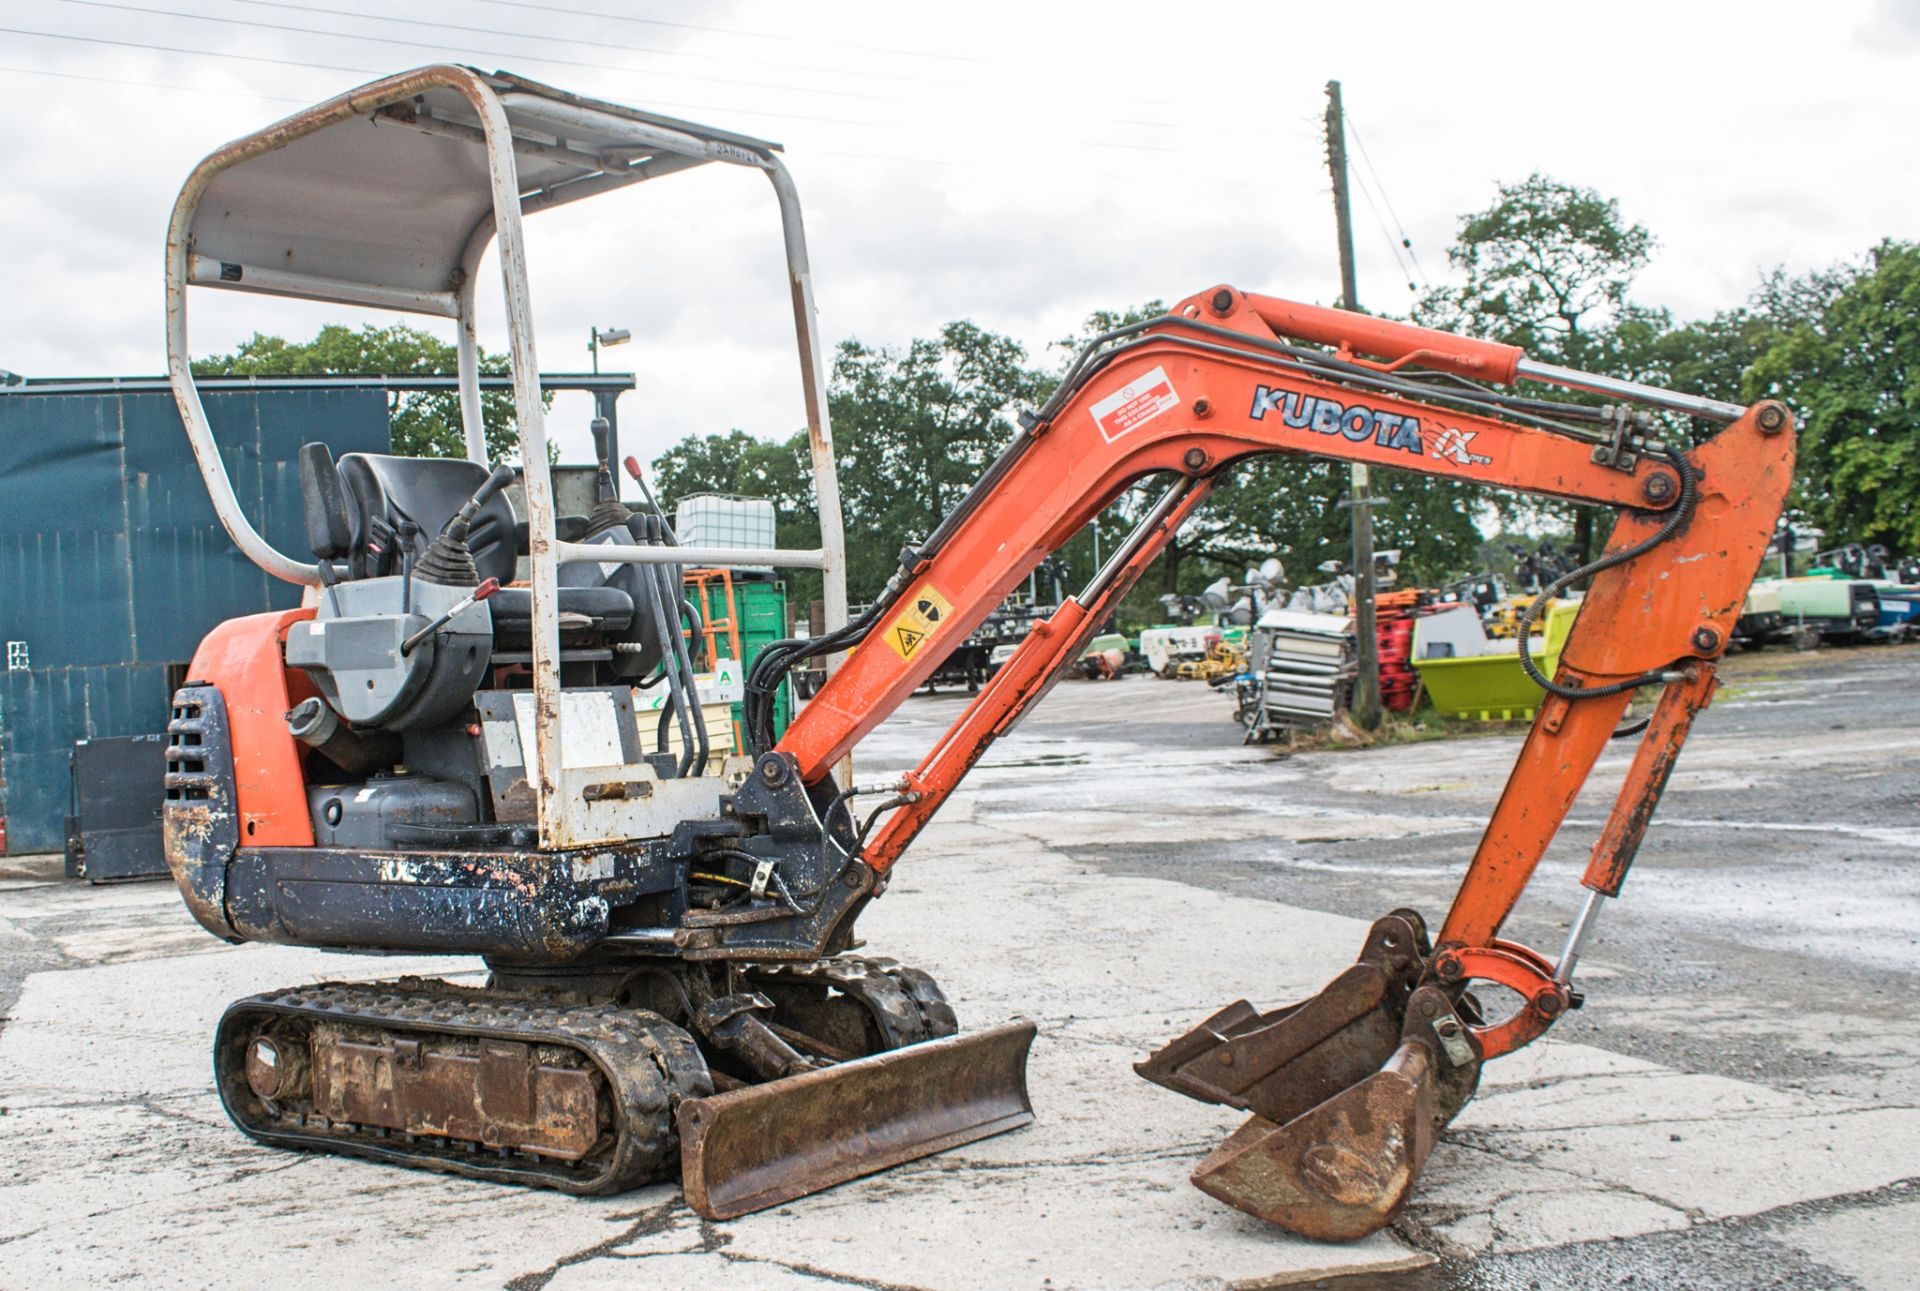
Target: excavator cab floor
column 1348, row 1089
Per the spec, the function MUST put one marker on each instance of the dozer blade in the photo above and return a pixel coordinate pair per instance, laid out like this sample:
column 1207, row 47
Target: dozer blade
column 751, row 1148
column 1340, row 1171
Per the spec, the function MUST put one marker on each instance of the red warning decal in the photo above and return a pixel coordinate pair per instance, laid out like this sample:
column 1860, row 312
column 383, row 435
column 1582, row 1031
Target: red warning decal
column 1135, row 404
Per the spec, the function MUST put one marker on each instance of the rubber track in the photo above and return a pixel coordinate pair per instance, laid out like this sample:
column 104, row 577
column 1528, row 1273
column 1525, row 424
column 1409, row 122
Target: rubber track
column 647, row 1063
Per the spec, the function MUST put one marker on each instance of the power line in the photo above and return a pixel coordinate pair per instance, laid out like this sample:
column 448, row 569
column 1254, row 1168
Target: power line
column 565, row 62
column 585, row 41
column 196, row 53
column 728, row 31
column 471, row 49
column 1405, row 241
column 1406, row 271
column 384, row 40
column 646, row 103
column 654, row 104
column 150, row 85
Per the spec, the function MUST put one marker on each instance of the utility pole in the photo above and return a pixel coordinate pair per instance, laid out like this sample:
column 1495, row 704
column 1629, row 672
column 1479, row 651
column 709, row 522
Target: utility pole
column 1365, row 709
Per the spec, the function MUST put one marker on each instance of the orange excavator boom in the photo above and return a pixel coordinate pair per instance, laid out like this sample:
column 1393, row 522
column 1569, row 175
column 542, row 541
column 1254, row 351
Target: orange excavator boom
column 1348, row 1089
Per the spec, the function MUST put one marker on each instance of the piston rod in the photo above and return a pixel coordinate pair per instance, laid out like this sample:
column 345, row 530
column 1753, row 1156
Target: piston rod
column 1577, row 936
column 1573, row 378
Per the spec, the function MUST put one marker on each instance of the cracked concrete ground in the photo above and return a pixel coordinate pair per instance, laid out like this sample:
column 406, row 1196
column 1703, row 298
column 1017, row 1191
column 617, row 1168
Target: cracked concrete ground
column 1738, row 1105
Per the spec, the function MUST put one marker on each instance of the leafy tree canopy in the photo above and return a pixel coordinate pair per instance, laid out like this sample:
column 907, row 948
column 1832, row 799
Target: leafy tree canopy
column 914, row 428
column 424, row 423
column 1549, row 266
column 1852, row 368
column 739, row 464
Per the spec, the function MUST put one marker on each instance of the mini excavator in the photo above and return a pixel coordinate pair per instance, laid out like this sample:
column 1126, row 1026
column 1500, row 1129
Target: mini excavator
column 434, row 756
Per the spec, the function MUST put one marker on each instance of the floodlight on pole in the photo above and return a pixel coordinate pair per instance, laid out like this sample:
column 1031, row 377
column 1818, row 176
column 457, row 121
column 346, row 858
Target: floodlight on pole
column 606, row 336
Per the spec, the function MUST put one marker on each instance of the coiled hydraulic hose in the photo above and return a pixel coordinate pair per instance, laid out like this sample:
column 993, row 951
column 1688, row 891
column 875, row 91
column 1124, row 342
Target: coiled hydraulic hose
column 1682, row 512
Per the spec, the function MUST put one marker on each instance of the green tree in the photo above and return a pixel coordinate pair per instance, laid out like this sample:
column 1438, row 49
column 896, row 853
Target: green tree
column 913, row 429
column 1548, row 267
column 1720, row 356
column 741, row 464
column 1853, row 371
column 424, row 423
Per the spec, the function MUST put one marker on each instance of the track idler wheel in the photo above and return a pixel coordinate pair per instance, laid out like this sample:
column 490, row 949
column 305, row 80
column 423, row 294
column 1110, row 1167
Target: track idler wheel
column 1347, row 1089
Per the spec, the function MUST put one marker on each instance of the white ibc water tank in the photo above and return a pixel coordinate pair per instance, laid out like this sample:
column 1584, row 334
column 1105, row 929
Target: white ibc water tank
column 718, row 520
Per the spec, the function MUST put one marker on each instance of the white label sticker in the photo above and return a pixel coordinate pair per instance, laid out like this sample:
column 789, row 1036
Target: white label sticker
column 1135, row 404
column 589, row 728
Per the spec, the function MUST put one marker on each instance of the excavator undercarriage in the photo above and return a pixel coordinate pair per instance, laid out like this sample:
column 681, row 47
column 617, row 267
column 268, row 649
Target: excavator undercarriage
column 589, row 1084
column 442, row 750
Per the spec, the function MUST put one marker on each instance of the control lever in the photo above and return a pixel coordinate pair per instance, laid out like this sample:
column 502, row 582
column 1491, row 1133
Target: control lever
column 474, row 597
column 501, row 477
column 608, row 513
column 667, row 535
column 448, row 561
column 602, row 431
column 408, row 532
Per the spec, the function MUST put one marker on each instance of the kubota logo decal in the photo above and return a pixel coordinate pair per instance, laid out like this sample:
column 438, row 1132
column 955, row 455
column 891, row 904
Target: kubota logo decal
column 1455, row 445
column 1359, row 423
column 1356, row 421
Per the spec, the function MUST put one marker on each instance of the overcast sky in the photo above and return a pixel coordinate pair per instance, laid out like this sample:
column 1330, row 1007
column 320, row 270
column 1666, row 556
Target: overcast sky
column 1017, row 164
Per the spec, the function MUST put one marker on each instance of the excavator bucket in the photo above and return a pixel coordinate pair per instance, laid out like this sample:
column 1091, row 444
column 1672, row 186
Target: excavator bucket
column 1340, row 1170
column 758, row 1146
column 1347, row 1089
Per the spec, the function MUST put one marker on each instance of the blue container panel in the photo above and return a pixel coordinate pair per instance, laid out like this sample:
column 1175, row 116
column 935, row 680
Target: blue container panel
column 75, row 703
column 113, row 564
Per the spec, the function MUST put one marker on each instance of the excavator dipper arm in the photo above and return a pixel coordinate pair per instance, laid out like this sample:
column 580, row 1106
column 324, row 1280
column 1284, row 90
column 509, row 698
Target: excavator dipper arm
column 1347, row 1089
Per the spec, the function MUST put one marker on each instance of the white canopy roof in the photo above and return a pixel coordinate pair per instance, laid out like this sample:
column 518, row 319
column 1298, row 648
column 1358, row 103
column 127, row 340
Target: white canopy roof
column 384, row 195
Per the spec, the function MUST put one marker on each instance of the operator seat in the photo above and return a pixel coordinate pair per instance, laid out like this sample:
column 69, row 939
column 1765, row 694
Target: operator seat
column 382, row 492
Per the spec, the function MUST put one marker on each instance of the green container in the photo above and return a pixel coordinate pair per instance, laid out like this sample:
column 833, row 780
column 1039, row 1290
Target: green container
column 760, row 610
column 1493, row 688
column 1816, row 598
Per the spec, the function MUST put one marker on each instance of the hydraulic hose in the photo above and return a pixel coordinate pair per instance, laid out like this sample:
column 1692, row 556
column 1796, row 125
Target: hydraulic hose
column 1682, row 512
column 693, row 684
column 693, row 726
column 676, row 700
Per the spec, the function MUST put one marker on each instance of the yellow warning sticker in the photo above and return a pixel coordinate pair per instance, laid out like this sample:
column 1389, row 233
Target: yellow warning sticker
column 926, row 611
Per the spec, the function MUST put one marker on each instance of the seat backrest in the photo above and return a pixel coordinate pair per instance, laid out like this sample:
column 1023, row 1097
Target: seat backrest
column 384, row 491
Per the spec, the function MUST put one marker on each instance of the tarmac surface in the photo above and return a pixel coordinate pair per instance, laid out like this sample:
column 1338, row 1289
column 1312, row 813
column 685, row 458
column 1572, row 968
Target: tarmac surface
column 1737, row 1105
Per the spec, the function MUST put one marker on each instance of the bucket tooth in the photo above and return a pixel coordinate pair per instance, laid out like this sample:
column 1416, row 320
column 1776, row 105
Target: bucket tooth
column 759, row 1146
column 1338, row 1171
column 1280, row 1063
